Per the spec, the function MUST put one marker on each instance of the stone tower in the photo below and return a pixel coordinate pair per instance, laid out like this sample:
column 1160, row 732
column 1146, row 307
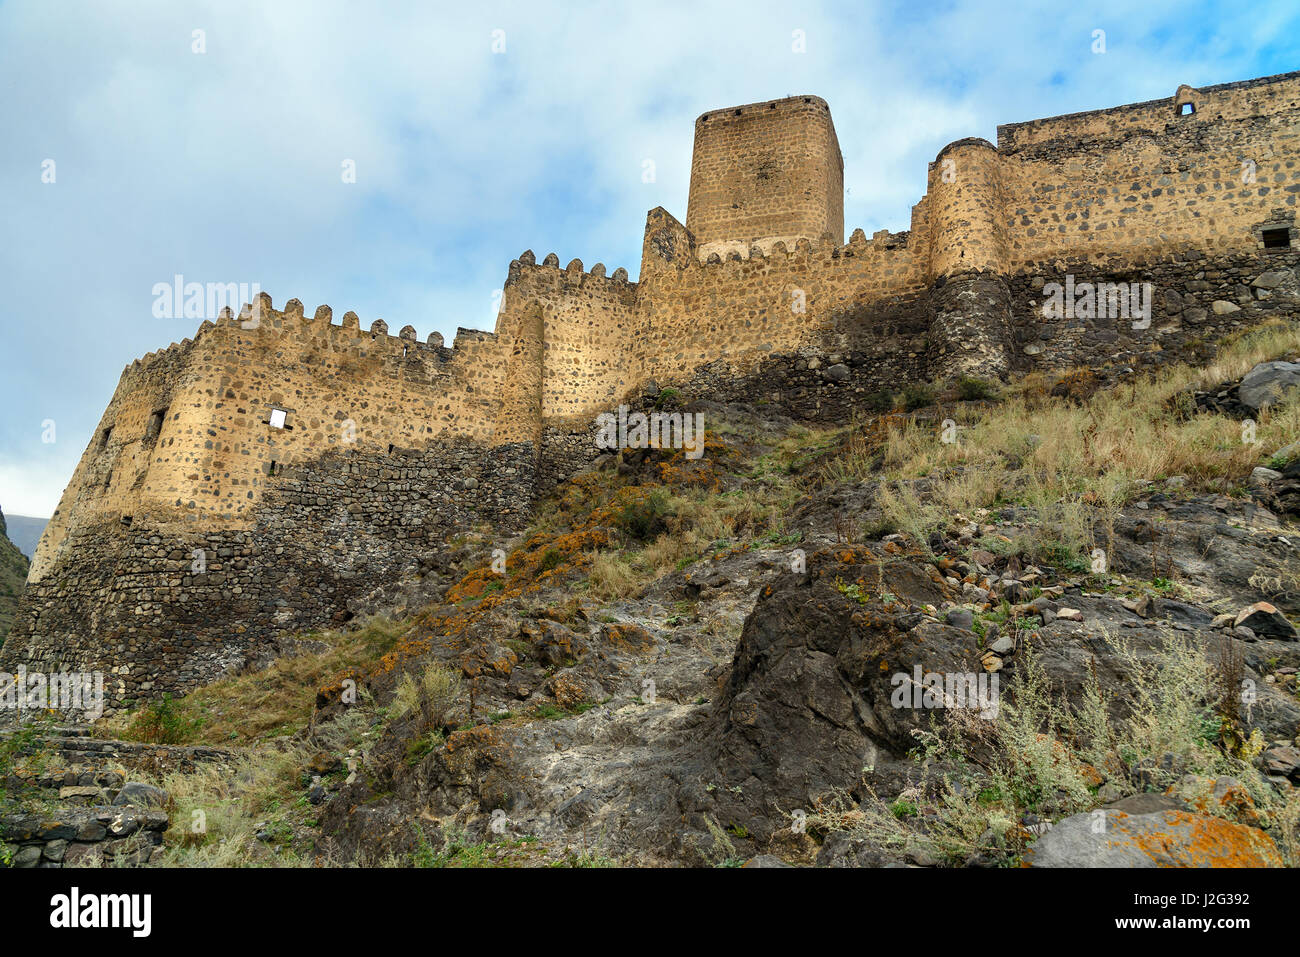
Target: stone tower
column 766, row 172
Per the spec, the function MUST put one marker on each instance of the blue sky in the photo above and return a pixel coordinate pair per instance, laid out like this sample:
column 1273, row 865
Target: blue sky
column 225, row 166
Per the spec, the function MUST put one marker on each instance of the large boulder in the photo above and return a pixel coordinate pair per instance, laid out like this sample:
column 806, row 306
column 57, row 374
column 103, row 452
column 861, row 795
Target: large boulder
column 810, row 701
column 1267, row 382
column 1110, row 837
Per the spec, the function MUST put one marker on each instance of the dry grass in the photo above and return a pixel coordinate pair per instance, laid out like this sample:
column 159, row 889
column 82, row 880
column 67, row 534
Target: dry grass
column 435, row 693
column 258, row 705
column 701, row 521
column 1046, row 755
column 1076, row 465
column 217, row 811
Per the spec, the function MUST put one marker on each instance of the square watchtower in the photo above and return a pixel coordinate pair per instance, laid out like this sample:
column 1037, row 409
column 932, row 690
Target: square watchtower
column 769, row 170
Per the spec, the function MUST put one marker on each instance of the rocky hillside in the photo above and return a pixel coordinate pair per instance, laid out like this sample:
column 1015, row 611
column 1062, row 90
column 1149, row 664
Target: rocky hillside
column 1047, row 623
column 13, row 572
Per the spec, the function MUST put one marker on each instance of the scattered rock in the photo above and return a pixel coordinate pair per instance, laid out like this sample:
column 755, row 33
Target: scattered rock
column 1265, row 620
column 1283, row 760
column 1265, row 384
column 138, row 794
column 960, row 617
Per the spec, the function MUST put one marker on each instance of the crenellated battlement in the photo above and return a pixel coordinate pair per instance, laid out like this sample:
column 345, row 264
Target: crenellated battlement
column 548, row 272
column 806, row 250
column 403, row 354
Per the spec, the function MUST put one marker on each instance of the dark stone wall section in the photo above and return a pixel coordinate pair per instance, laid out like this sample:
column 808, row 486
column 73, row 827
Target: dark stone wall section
column 1195, row 300
column 158, row 612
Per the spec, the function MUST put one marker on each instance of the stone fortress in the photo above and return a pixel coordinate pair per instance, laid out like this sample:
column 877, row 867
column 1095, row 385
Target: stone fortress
column 264, row 475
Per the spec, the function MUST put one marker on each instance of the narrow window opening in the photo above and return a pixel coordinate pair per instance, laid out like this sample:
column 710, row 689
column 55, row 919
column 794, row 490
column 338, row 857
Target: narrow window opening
column 271, row 470
column 103, row 437
column 1187, row 109
column 1277, row 239
column 390, row 448
column 155, row 424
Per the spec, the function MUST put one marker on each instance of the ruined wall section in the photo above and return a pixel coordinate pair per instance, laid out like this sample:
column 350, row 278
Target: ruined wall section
column 163, row 609
column 766, row 171
column 1196, row 300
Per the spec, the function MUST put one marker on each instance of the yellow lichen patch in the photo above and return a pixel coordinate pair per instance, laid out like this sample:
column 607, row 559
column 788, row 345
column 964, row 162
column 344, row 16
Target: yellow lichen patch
column 478, row 737
column 569, row 692
column 628, row 637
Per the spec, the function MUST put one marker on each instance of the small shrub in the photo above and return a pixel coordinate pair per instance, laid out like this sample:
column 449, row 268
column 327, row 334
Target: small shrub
column 970, row 389
column 647, row 519
column 162, row 722
column 879, row 402
column 903, row 809
column 434, row 694
column 667, row 398
column 917, row 397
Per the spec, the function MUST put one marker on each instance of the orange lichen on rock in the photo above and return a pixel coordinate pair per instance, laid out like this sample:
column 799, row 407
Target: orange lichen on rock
column 1203, row 841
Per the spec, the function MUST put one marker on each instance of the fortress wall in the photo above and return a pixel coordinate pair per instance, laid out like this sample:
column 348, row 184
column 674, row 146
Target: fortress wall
column 767, row 169
column 1174, row 187
column 745, row 309
column 325, row 535
column 340, row 386
column 1274, row 95
column 587, row 321
column 394, row 444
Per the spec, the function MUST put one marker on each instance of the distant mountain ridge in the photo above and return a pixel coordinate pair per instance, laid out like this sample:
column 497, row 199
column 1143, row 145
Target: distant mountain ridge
column 13, row 574
column 25, row 532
